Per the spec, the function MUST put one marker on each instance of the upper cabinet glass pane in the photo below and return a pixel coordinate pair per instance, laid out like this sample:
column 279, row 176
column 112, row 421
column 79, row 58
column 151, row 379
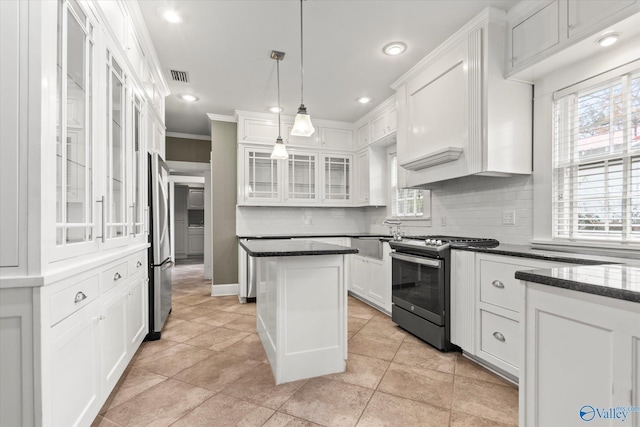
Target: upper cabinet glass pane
column 74, row 219
column 116, row 167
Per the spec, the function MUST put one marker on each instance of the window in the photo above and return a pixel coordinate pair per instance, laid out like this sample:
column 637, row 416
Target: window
column 597, row 162
column 405, row 202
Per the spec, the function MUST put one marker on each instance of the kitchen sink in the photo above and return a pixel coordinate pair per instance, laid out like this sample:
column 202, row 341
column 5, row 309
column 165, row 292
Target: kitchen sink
column 368, row 246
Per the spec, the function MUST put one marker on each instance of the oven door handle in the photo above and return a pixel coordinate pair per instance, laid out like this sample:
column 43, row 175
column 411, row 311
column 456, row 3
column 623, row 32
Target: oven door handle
column 418, row 260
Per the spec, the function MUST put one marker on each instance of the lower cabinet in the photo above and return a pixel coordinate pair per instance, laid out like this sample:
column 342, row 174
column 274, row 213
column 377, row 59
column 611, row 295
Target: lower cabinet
column 487, row 302
column 195, row 241
column 591, row 343
column 371, row 281
column 87, row 346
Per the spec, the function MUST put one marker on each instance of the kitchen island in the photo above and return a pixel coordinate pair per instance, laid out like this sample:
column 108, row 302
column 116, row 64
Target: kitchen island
column 301, row 300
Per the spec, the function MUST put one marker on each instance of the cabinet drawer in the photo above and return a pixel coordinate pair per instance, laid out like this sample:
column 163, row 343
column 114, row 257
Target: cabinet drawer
column 498, row 285
column 499, row 337
column 138, row 263
column 73, row 298
column 114, row 276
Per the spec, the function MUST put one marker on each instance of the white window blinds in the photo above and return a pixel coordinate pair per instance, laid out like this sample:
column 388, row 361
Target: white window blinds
column 405, row 202
column 597, row 162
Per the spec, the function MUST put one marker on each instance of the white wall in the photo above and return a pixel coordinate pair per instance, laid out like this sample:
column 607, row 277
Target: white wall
column 473, row 206
column 285, row 220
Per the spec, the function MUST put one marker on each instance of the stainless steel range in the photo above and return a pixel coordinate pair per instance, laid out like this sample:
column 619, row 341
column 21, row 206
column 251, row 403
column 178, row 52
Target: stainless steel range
column 421, row 286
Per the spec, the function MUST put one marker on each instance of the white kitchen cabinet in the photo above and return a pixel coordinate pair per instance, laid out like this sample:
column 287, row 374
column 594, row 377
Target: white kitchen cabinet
column 113, row 338
column 466, row 135
column 180, row 221
column 335, row 138
column 75, row 376
column 371, row 279
column 195, row 241
column 541, row 29
column 486, row 305
column 592, row 343
column 79, row 200
column 371, row 177
column 195, row 198
column 137, row 313
column 302, row 177
column 383, row 124
column 337, row 177
column 363, row 134
column 534, row 33
column 259, row 177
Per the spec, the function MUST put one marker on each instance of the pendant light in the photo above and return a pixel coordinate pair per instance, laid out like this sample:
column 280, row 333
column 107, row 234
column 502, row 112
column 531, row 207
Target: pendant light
column 302, row 125
column 279, row 150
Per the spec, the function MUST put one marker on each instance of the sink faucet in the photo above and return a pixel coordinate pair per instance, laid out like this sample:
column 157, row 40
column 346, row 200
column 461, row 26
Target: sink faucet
column 397, row 236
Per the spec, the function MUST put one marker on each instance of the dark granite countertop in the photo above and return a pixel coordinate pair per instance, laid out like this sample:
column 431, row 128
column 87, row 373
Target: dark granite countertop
column 526, row 251
column 614, row 281
column 279, row 247
column 310, row 235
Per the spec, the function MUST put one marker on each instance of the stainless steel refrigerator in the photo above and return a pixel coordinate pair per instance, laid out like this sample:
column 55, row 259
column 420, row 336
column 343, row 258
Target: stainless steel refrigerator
column 160, row 262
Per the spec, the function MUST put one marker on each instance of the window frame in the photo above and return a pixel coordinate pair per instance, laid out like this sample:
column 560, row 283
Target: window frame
column 393, row 195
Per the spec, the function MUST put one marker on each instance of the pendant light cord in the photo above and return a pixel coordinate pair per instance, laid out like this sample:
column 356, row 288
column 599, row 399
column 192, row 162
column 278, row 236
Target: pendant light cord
column 301, row 58
column 278, row 74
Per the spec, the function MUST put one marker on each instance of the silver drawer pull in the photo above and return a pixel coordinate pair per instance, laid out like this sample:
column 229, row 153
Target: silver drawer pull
column 498, row 284
column 117, row 277
column 80, row 296
column 138, row 264
column 499, row 336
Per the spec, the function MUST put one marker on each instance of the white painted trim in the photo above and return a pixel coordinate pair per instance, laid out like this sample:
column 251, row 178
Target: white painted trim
column 188, row 136
column 221, row 118
column 182, row 179
column 224, row 290
column 189, row 166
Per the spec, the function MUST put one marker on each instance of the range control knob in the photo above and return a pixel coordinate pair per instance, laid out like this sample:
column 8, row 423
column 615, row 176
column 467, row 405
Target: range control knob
column 438, row 242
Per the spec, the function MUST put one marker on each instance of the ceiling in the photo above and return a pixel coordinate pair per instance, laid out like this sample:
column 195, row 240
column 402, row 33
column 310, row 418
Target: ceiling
column 225, row 47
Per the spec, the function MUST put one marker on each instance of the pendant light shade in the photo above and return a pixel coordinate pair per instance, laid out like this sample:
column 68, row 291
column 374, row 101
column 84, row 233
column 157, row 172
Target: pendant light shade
column 279, row 150
column 302, row 125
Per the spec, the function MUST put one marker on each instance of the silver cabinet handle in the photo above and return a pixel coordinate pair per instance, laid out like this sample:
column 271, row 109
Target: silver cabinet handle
column 138, row 264
column 498, row 284
column 103, row 225
column 117, row 277
column 80, row 296
column 499, row 336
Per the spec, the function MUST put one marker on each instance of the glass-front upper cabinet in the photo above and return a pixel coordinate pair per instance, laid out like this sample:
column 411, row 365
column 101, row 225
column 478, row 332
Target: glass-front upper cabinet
column 302, row 177
column 262, row 179
column 337, row 178
column 115, row 185
column 138, row 169
column 75, row 223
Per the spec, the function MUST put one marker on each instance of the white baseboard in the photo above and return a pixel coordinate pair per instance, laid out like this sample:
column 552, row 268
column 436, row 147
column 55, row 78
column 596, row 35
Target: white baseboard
column 224, row 290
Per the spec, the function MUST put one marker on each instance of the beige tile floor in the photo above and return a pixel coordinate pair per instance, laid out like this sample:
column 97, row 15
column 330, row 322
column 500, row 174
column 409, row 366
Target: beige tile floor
column 209, row 369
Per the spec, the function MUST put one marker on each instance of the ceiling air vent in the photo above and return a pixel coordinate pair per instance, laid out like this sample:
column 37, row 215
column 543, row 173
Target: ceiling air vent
column 179, row 76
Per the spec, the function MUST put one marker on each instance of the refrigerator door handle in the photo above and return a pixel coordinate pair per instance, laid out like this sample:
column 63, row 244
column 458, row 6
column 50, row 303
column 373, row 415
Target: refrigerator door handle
column 167, row 263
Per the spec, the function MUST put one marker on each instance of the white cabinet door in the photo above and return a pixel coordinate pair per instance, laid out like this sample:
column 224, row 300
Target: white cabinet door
column 378, row 289
column 380, row 126
column 535, row 34
column 336, row 138
column 75, row 371
column 583, row 16
column 258, row 130
column 359, row 275
column 580, row 354
column 137, row 314
column 261, row 178
column 196, row 244
column 363, row 136
column 113, row 340
column 337, row 178
column 302, row 177
column 362, row 177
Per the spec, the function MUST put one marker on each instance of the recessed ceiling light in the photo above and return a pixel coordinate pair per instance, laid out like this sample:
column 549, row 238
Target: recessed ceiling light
column 394, row 48
column 188, row 97
column 364, row 100
column 276, row 110
column 608, row 39
column 171, row 15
